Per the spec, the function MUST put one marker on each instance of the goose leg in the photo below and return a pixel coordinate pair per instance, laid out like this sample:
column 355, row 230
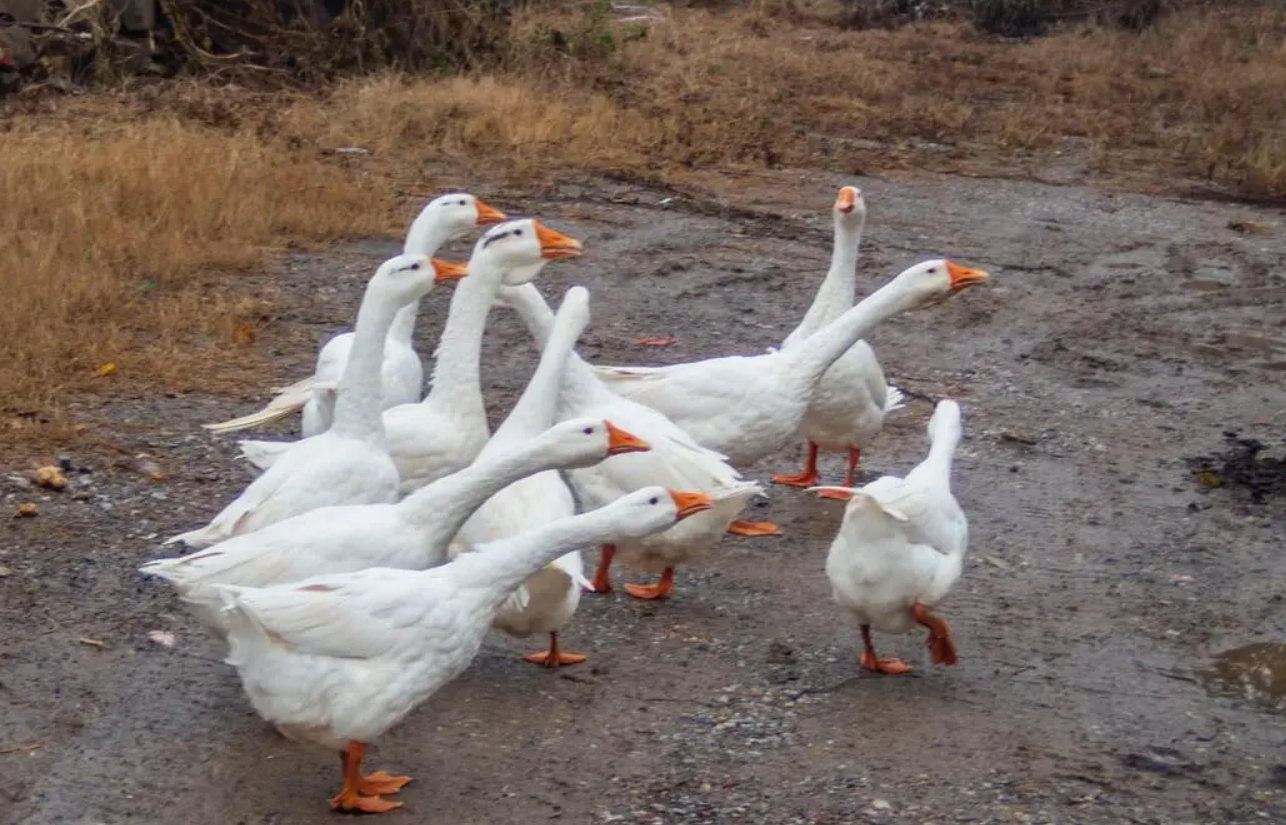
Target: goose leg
column 850, row 477
column 554, row 657
column 808, row 477
column 874, row 663
column 942, row 648
column 660, row 590
column 362, row 793
column 741, row 527
column 602, row 580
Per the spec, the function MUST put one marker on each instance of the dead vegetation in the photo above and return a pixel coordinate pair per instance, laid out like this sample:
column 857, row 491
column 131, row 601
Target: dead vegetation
column 113, row 208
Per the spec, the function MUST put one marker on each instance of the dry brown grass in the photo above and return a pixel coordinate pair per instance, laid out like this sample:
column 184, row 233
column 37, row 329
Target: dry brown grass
column 109, row 224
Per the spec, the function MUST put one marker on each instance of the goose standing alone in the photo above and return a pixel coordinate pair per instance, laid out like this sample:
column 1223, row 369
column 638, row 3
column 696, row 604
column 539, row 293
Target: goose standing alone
column 901, row 547
column 442, row 219
column 847, row 407
column 350, row 462
column 339, row 660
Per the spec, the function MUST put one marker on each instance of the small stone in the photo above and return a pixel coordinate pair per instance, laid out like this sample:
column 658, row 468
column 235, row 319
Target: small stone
column 5, row 572
column 50, row 478
column 26, row 510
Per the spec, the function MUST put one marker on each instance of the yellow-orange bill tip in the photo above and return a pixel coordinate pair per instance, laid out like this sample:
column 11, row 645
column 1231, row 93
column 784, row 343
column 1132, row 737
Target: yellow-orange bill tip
column 487, row 214
column 447, row 271
column 556, row 244
column 962, row 276
column 619, row 441
column 689, row 503
column 847, row 199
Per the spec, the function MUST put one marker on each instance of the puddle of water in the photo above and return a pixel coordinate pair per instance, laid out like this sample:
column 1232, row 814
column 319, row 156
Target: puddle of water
column 1254, row 673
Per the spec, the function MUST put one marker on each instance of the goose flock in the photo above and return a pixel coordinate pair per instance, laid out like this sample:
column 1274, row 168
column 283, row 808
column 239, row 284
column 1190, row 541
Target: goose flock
column 361, row 570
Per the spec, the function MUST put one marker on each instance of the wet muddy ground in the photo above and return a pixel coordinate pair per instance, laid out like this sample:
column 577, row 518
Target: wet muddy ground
column 1121, row 336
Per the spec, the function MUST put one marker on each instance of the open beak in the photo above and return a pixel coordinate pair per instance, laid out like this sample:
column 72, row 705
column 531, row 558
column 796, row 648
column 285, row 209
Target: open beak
column 555, row 244
column 488, row 215
column 447, row 271
column 619, row 441
column 690, row 503
column 962, row 277
column 847, row 199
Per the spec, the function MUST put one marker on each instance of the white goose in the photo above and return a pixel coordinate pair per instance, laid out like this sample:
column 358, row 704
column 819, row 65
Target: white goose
column 350, row 462
column 674, row 460
column 412, row 534
column 748, row 407
column 441, row 220
column 901, row 547
column 848, row 405
column 339, row 660
column 445, row 431
column 549, row 598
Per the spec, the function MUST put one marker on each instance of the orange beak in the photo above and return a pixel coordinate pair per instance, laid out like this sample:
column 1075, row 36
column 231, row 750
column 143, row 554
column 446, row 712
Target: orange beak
column 619, row 441
column 447, row 271
column 487, row 215
column 962, row 277
column 847, row 199
column 690, row 503
column 555, row 244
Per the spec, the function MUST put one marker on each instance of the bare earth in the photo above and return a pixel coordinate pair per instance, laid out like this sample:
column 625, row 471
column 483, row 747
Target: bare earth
column 1120, row 336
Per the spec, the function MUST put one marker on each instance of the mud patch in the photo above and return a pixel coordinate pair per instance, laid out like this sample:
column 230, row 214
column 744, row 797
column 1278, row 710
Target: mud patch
column 1254, row 673
column 1244, row 465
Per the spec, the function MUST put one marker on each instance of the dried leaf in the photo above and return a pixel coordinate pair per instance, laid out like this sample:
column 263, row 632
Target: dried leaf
column 26, row 510
column 243, row 333
column 51, row 477
column 106, row 369
column 1248, row 226
column 1210, row 479
column 660, row 341
column 5, row 572
column 91, row 642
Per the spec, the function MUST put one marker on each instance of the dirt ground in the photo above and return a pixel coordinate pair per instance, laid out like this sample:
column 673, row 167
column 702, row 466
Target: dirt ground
column 1121, row 335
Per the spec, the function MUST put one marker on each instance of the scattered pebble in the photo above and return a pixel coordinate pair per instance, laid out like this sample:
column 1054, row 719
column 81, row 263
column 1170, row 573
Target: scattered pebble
column 162, row 637
column 26, row 510
column 51, row 478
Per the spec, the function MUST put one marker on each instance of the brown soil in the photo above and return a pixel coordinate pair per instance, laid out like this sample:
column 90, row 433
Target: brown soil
column 1120, row 337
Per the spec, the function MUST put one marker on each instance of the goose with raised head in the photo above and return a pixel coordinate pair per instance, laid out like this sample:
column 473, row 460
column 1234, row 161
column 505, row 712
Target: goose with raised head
column 674, row 460
column 442, row 219
column 338, row 660
column 901, row 547
column 847, row 408
column 549, row 598
column 350, row 462
column 413, row 534
column 748, row 407
column 446, row 430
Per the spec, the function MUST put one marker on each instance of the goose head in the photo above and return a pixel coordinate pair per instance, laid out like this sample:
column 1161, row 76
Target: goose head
column 946, row 418
column 519, row 248
column 933, row 281
column 405, row 278
column 850, row 207
column 448, row 217
column 653, row 509
column 584, row 442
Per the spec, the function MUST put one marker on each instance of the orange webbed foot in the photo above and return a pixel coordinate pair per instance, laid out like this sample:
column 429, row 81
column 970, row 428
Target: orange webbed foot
column 753, row 529
column 838, row 495
column 552, row 659
column 942, row 648
column 381, row 782
column 805, row 479
column 352, row 802
column 882, row 664
column 647, row 591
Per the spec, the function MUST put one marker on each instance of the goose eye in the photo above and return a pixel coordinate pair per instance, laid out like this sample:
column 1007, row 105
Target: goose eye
column 588, row 431
column 653, row 500
column 462, row 203
column 415, row 267
column 517, row 231
column 932, row 269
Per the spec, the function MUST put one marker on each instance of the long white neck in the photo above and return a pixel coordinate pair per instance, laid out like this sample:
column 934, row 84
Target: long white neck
column 579, row 382
column 446, row 504
column 810, row 360
column 425, row 237
column 500, row 566
column 359, row 396
column 456, row 375
column 836, row 293
column 944, row 437
column 537, row 408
